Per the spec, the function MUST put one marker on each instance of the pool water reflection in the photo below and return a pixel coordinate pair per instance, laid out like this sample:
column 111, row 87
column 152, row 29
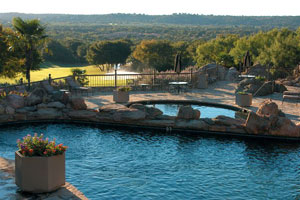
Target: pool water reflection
column 115, row 164
column 206, row 111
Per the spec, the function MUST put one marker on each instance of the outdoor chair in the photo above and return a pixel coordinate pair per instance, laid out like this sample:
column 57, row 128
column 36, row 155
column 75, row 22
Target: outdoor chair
column 294, row 96
column 76, row 88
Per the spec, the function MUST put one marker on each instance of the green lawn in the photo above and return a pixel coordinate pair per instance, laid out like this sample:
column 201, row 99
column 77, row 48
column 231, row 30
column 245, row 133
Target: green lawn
column 56, row 71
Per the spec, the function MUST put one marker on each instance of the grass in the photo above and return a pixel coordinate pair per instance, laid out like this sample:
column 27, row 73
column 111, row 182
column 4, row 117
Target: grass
column 56, row 71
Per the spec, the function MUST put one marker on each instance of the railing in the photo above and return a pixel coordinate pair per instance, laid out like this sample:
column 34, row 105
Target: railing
column 159, row 80
column 112, row 80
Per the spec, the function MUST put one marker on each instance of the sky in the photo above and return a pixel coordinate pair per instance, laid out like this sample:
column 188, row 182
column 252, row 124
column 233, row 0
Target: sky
column 155, row 7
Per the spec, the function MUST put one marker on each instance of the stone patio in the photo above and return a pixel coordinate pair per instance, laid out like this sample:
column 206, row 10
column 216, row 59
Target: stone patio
column 218, row 92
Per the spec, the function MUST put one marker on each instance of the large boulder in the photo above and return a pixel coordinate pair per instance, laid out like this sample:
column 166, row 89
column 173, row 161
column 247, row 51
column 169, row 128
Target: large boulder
column 10, row 110
column 256, row 124
column 268, row 108
column 129, row 114
column 63, row 97
column 82, row 114
column 78, row 103
column 270, row 120
column 120, row 113
column 48, row 113
column 26, row 109
column 192, row 124
column 188, row 113
column 285, row 127
column 15, row 101
column 232, row 74
column 56, row 104
column 2, row 109
column 228, row 121
column 37, row 96
column 151, row 112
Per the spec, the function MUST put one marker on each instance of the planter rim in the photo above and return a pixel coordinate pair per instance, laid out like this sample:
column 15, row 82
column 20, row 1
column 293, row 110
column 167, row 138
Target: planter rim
column 20, row 155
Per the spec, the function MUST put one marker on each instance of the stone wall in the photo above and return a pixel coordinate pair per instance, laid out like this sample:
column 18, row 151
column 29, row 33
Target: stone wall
column 60, row 107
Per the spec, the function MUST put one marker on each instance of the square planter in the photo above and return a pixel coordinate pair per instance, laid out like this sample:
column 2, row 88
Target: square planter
column 39, row 174
column 243, row 100
column 121, row 96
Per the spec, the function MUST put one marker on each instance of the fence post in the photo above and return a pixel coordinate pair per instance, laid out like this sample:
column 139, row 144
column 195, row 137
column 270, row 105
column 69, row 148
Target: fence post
column 50, row 79
column 191, row 75
column 116, row 78
column 153, row 77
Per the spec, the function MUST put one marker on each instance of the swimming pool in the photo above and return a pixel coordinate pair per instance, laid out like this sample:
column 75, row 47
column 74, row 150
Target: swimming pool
column 206, row 111
column 134, row 164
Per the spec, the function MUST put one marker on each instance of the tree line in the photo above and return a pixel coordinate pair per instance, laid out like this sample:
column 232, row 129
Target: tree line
column 24, row 47
column 175, row 19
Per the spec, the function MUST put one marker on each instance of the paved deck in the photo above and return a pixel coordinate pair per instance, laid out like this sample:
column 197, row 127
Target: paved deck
column 8, row 189
column 219, row 92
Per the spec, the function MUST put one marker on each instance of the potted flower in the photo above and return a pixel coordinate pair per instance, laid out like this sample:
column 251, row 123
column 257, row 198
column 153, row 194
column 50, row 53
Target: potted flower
column 243, row 99
column 40, row 164
column 121, row 95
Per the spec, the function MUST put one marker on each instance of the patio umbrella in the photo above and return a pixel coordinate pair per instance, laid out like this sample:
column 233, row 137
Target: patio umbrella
column 247, row 60
column 177, row 64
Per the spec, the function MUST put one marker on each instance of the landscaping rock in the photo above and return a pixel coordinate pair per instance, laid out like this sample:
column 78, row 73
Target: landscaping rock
column 188, row 113
column 151, row 112
column 82, row 114
column 48, row 113
column 285, row 127
column 112, row 107
column 256, row 124
column 268, row 108
column 159, row 123
column 2, row 110
column 78, row 103
column 129, row 114
column 37, row 96
column 232, row 74
column 228, row 121
column 61, row 97
column 192, row 124
column 26, row 109
column 4, row 118
column 20, row 116
column 280, row 88
column 41, row 106
column 56, row 104
column 15, row 101
column 10, row 110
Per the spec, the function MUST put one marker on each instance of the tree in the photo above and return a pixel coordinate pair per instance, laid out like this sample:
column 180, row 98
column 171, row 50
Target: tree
column 109, row 52
column 155, row 54
column 10, row 60
column 32, row 36
column 216, row 50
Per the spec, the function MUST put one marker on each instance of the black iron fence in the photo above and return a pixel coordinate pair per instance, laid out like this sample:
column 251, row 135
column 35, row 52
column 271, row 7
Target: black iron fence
column 134, row 80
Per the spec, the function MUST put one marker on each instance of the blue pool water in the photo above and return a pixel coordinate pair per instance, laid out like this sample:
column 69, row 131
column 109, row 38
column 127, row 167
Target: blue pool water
column 123, row 164
column 206, row 111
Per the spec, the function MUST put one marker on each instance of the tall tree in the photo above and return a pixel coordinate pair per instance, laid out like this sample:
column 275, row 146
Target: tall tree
column 32, row 35
column 10, row 60
column 155, row 54
column 109, row 52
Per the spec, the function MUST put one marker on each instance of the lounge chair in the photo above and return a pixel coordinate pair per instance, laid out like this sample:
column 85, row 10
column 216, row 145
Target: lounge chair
column 74, row 86
column 295, row 96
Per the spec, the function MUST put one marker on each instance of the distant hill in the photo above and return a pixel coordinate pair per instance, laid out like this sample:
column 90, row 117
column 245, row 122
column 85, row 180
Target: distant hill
column 175, row 19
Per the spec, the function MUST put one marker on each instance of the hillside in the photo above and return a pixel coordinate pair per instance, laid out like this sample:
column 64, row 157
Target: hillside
column 177, row 19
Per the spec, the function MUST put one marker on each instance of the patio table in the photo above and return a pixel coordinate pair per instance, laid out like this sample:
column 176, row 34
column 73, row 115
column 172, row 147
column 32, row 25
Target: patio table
column 178, row 85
